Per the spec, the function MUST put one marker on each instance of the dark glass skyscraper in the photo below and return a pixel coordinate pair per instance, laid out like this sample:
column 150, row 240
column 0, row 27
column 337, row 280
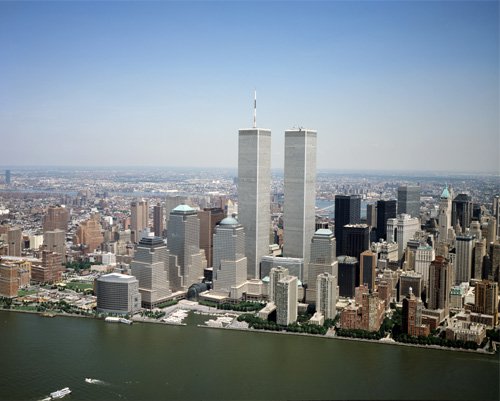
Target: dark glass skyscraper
column 409, row 200
column 461, row 211
column 386, row 209
column 347, row 211
column 356, row 239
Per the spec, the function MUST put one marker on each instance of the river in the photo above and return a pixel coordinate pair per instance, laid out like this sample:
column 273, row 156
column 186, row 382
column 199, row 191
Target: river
column 157, row 362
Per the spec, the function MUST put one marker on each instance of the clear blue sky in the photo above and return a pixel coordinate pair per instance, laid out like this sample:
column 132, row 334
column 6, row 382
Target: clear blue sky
column 388, row 85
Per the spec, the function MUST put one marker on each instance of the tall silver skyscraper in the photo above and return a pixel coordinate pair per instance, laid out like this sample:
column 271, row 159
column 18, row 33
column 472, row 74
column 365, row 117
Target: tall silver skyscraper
column 187, row 260
column 409, row 200
column 300, row 193
column 254, row 200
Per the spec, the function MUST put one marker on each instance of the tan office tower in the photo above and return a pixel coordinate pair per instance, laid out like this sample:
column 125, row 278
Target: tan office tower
column 57, row 218
column 158, row 220
column 187, row 261
column 254, row 199
column 371, row 215
column 209, row 218
column 89, row 233
column 440, row 277
column 50, row 271
column 139, row 218
column 300, row 193
column 9, row 281
column 15, row 240
column 479, row 254
column 486, row 299
column 55, row 241
column 322, row 260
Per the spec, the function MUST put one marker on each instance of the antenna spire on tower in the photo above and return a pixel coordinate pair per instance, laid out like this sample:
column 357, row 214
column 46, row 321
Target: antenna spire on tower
column 255, row 108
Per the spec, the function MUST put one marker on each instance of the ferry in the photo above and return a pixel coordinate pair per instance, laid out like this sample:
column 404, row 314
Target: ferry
column 60, row 393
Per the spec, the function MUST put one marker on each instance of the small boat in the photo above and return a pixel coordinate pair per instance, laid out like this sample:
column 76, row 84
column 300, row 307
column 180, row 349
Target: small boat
column 60, row 393
column 92, row 381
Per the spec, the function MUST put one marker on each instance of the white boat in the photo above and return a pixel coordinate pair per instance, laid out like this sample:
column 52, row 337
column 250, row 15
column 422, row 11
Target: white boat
column 92, row 381
column 126, row 321
column 60, row 393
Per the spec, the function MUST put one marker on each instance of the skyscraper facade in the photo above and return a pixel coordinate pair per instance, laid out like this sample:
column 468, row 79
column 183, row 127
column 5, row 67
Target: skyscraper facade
column 56, row 218
column 367, row 265
column 486, row 299
column 371, row 215
column 348, row 271
column 209, row 218
column 118, row 293
column 347, row 211
column 187, row 261
column 254, row 200
column 139, row 218
column 444, row 215
column 386, row 209
column 356, row 239
column 401, row 230
column 440, row 277
column 326, row 298
column 461, row 212
column 7, row 177
column 409, row 200
column 158, row 220
column 322, row 260
column 276, row 274
column 424, row 255
column 300, row 192
column 229, row 260
column 464, row 245
column 286, row 300
column 150, row 267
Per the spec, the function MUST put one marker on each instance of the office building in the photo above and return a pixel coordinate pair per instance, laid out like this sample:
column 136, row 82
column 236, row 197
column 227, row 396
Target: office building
column 424, row 255
column 15, row 241
column 356, row 239
column 7, row 177
column 444, row 215
column 386, row 209
column 56, row 218
column 118, row 294
column 151, row 267
column 371, row 215
column 492, row 230
column 401, row 230
column 295, row 266
column 486, row 299
column 139, row 218
column 461, row 213
column 323, row 259
column 230, row 262
column 409, row 200
column 286, row 300
column 347, row 211
column 440, row 281
column 496, row 212
column 464, row 245
column 348, row 275
column 187, row 261
column 410, row 280
column 412, row 316
column 479, row 254
column 327, row 295
column 89, row 234
column 209, row 218
column 55, row 241
column 254, row 200
column 50, row 270
column 372, row 312
column 367, row 265
column 171, row 202
column 300, row 193
column 158, row 226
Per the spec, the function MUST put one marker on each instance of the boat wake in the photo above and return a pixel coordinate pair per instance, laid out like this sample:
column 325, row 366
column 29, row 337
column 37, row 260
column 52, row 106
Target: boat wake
column 94, row 381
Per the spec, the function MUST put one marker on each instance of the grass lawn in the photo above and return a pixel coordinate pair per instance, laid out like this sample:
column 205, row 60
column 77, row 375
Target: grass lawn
column 22, row 293
column 73, row 285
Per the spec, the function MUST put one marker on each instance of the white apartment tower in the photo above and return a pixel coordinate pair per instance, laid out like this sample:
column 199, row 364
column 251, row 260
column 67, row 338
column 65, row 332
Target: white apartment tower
column 424, row 255
column 229, row 260
column 254, row 200
column 327, row 294
column 276, row 274
column 150, row 267
column 286, row 300
column 187, row 260
column 300, row 193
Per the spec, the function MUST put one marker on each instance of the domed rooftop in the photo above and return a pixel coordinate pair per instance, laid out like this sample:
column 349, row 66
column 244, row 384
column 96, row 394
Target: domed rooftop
column 229, row 221
column 183, row 208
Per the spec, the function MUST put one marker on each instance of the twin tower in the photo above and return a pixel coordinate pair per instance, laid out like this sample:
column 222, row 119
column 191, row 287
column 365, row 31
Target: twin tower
column 254, row 193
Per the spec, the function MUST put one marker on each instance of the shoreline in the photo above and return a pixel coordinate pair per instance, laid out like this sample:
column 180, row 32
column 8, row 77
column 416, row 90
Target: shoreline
column 250, row 330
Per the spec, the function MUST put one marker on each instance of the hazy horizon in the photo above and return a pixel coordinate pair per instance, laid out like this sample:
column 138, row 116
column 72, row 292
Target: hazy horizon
column 389, row 86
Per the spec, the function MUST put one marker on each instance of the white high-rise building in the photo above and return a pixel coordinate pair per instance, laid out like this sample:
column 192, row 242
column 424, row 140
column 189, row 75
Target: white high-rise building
column 464, row 244
column 401, row 230
column 323, row 259
column 424, row 255
column 327, row 295
column 187, row 260
column 444, row 215
column 229, row 260
column 286, row 300
column 300, row 193
column 150, row 267
column 254, row 188
column 276, row 274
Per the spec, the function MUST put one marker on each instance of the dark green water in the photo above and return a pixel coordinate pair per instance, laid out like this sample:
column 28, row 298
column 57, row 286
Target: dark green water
column 155, row 362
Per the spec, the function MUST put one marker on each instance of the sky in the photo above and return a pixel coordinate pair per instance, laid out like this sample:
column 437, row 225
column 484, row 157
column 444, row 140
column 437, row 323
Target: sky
column 395, row 85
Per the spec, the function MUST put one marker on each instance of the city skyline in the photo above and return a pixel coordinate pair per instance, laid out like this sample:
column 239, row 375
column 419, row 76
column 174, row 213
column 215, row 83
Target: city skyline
column 371, row 78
